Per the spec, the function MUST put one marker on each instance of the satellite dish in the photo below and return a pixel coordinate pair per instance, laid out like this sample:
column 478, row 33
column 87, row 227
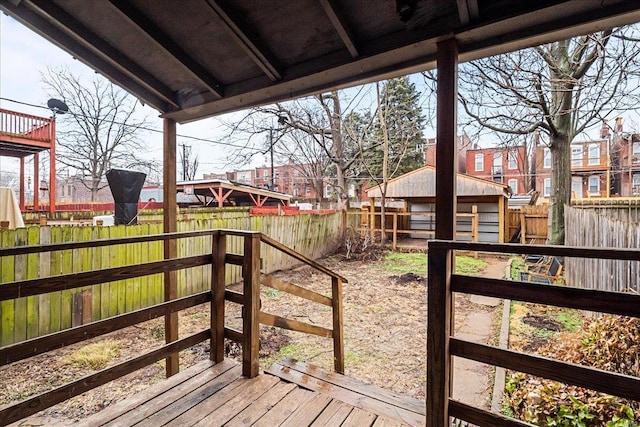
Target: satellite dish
column 57, row 106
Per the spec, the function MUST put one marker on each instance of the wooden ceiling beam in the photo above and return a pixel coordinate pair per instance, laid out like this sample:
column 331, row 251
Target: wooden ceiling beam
column 104, row 49
column 241, row 33
column 468, row 11
column 164, row 42
column 340, row 24
column 24, row 13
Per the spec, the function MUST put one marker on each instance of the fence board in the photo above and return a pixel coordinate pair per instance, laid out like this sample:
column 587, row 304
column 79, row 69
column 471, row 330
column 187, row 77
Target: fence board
column 311, row 234
column 594, row 228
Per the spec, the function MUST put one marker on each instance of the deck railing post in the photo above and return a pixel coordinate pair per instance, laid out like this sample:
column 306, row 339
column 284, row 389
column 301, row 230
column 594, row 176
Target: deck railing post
column 251, row 312
column 218, row 252
column 439, row 315
column 338, row 325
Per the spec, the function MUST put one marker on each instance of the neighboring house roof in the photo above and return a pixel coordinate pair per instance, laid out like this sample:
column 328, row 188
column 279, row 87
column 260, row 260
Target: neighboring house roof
column 422, row 183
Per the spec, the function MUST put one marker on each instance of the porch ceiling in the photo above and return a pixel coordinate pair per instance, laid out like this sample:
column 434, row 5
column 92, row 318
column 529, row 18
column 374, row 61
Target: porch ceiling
column 196, row 58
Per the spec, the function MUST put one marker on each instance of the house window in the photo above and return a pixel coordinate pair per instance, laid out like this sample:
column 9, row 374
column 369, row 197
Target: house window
column 265, row 174
column 594, row 154
column 576, row 157
column 546, row 158
column 636, row 184
column 636, row 152
column 307, row 190
column 512, row 160
column 594, row 184
column 547, row 187
column 479, row 162
column 497, row 163
column 513, row 184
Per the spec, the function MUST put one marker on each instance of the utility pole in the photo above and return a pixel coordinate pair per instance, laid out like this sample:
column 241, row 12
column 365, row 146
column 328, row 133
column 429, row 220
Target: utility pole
column 184, row 162
column 271, row 142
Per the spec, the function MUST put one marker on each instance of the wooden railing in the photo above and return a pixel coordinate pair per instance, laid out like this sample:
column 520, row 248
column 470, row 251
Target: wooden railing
column 25, row 126
column 218, row 258
column 442, row 344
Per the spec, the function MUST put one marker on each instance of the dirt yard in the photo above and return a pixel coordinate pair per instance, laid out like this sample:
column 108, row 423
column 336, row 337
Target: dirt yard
column 385, row 312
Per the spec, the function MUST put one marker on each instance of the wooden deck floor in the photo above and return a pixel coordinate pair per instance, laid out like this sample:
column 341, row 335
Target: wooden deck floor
column 290, row 393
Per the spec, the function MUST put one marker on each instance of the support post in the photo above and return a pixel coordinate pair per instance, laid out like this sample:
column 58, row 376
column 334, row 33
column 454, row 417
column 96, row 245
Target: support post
column 440, row 301
column 395, row 231
column 36, row 182
column 439, row 319
column 170, row 249
column 447, row 121
column 338, row 325
column 372, row 218
column 22, row 184
column 52, row 167
column 251, row 309
column 218, row 251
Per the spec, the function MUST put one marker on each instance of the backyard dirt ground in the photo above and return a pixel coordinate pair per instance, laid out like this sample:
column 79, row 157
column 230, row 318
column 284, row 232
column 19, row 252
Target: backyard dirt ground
column 384, row 326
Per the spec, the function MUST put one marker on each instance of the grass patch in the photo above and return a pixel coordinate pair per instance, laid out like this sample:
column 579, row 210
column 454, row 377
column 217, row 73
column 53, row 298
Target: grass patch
column 95, row 356
column 517, row 265
column 401, row 263
column 272, row 293
column 469, row 266
column 570, row 320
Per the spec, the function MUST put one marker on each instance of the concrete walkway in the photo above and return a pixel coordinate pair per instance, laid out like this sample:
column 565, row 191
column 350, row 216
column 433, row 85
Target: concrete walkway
column 472, row 381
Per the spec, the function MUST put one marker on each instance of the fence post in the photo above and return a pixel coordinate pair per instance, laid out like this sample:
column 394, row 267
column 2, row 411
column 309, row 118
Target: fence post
column 218, row 253
column 395, row 230
column 338, row 325
column 251, row 312
column 439, row 315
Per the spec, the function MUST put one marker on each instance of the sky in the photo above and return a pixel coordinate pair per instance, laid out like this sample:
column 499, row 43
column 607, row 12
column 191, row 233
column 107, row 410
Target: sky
column 24, row 55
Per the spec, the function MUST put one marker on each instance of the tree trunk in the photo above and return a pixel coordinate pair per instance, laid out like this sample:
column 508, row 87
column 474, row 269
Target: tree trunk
column 560, row 187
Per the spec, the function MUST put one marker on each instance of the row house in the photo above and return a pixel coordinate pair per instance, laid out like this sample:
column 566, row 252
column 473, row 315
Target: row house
column 463, row 145
column 503, row 165
column 607, row 167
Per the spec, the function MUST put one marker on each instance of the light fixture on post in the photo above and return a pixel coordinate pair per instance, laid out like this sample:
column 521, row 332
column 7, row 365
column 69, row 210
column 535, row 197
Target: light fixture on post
column 57, row 107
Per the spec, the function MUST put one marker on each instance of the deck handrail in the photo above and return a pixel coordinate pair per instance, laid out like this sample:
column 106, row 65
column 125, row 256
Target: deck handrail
column 442, row 345
column 218, row 257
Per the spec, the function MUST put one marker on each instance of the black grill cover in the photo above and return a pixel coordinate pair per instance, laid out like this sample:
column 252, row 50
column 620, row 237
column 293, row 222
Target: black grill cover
column 125, row 187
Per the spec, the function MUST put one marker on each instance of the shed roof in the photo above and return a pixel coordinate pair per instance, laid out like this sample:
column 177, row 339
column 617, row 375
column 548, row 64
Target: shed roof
column 191, row 59
column 422, row 183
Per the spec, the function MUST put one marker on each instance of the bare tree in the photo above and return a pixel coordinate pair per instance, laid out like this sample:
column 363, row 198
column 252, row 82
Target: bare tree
column 189, row 163
column 559, row 89
column 101, row 130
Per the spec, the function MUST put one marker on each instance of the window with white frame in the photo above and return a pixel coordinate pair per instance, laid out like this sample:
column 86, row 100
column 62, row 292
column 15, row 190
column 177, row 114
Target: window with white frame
column 513, row 184
column 547, row 186
column 479, row 162
column 265, row 174
column 594, row 154
column 636, row 184
column 594, row 184
column 497, row 163
column 512, row 160
column 576, row 156
column 636, row 152
column 546, row 163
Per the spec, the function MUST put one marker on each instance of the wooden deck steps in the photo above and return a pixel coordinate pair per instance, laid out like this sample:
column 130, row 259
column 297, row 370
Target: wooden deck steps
column 290, row 394
column 367, row 397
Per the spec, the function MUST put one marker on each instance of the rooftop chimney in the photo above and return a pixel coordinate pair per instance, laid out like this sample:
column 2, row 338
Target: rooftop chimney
column 618, row 124
column 604, row 132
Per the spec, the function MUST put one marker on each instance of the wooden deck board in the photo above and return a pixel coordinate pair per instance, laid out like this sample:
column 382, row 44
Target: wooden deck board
column 361, row 395
column 297, row 394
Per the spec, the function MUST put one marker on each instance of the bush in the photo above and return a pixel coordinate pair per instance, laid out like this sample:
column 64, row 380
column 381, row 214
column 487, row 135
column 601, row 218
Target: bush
column 611, row 343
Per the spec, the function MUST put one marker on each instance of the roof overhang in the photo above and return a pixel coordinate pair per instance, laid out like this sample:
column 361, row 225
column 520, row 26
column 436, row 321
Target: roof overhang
column 198, row 58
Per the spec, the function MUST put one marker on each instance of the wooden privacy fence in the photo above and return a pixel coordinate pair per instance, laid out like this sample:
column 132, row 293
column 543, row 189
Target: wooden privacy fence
column 216, row 258
column 395, row 218
column 25, row 318
column 442, row 344
column 586, row 227
column 530, row 221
